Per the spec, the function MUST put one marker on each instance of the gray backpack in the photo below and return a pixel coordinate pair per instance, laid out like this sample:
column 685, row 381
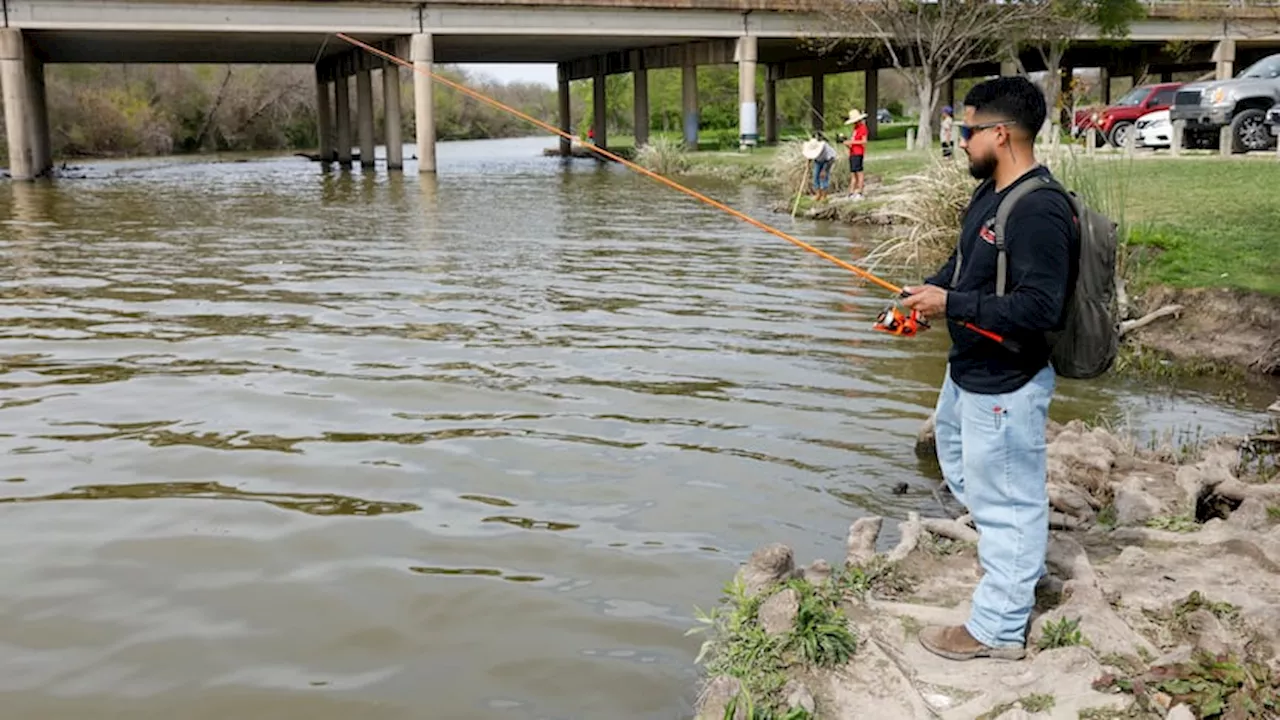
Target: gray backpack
column 1087, row 344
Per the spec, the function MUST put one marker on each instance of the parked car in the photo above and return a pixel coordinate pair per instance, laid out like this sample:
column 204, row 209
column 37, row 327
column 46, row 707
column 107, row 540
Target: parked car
column 1116, row 121
column 1155, row 130
column 1240, row 103
column 884, row 116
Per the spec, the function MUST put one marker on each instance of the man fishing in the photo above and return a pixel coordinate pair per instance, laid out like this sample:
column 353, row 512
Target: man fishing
column 994, row 402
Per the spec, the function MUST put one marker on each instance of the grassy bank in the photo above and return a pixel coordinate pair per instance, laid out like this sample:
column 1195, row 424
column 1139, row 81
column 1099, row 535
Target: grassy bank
column 1207, row 222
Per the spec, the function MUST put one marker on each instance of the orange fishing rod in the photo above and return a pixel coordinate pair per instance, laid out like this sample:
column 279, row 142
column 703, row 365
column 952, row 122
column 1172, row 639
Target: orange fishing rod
column 891, row 320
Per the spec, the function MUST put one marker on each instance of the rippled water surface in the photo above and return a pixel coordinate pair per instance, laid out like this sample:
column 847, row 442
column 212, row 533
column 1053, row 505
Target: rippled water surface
column 283, row 443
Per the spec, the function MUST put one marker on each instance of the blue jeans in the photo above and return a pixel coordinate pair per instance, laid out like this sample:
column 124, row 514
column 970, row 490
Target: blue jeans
column 992, row 452
column 822, row 174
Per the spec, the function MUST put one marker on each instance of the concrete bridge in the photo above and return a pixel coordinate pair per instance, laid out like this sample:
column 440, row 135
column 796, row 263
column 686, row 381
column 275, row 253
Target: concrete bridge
column 586, row 38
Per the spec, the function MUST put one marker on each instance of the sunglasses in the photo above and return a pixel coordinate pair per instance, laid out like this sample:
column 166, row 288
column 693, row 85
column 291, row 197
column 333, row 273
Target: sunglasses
column 968, row 131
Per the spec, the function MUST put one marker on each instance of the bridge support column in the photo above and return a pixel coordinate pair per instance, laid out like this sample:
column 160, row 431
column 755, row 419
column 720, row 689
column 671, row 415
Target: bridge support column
column 566, row 108
column 20, row 113
column 1104, row 84
column 600, row 106
column 748, row 128
column 689, row 95
column 391, row 113
column 771, row 105
column 423, row 56
column 42, row 151
column 818, row 101
column 342, row 103
column 640, row 83
column 1166, row 76
column 872, row 92
column 324, row 115
column 1224, row 54
column 1008, row 68
column 364, row 112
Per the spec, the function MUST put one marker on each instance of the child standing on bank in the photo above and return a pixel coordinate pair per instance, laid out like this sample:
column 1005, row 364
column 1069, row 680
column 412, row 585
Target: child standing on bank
column 857, row 152
column 944, row 131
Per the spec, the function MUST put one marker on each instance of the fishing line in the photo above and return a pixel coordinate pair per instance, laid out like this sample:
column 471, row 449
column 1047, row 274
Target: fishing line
column 896, row 290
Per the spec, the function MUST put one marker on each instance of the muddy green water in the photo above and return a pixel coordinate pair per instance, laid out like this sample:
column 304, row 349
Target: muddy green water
column 281, row 443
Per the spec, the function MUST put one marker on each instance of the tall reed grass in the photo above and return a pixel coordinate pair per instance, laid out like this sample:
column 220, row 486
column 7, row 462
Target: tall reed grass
column 664, row 156
column 928, row 208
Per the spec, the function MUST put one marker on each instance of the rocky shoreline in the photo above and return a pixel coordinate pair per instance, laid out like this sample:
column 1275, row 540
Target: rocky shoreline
column 1162, row 600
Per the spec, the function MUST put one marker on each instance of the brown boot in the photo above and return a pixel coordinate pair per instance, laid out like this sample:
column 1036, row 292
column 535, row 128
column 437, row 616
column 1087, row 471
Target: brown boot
column 955, row 643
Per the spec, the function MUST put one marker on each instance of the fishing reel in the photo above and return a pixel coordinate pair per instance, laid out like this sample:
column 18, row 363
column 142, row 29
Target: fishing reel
column 892, row 321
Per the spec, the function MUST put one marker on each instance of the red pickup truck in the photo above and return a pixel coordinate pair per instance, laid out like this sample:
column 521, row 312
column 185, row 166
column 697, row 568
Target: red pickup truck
column 1115, row 122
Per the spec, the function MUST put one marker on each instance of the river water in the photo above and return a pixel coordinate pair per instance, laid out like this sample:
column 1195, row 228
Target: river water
column 284, row 443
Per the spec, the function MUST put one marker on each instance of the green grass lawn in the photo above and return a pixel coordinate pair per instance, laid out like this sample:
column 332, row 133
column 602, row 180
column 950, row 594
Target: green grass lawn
column 1209, row 222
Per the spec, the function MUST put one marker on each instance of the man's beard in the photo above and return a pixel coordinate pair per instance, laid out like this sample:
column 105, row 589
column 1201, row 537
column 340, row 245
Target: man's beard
column 982, row 168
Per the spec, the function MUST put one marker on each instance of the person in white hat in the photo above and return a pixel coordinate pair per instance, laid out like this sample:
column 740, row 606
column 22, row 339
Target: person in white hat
column 823, row 156
column 857, row 152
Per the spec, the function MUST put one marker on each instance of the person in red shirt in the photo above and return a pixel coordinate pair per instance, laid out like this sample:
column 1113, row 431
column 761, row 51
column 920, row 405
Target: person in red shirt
column 857, row 152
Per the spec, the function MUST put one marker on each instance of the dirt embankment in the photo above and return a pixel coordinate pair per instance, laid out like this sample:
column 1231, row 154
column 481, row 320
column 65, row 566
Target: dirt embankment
column 1223, row 326
column 1162, row 600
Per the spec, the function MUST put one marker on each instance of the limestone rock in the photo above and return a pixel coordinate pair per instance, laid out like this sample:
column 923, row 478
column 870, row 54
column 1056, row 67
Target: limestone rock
column 1071, row 500
column 1208, row 632
column 1134, row 505
column 767, row 566
column 862, row 539
column 1180, row 712
column 778, row 614
column 716, row 697
column 1251, row 515
column 798, row 696
column 818, row 572
column 1015, row 713
column 926, row 438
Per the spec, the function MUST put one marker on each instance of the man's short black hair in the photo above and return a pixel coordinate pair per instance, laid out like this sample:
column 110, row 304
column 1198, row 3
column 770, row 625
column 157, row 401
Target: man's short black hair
column 1015, row 98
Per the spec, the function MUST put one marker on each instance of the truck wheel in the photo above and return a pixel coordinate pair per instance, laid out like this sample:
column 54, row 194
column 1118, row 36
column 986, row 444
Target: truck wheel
column 1248, row 132
column 1120, row 133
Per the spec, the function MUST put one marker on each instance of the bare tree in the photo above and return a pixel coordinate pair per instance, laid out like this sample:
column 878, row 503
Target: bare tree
column 928, row 41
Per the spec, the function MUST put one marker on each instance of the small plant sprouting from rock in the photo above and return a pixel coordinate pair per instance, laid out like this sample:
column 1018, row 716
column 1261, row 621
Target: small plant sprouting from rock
column 1273, row 512
column 1034, row 703
column 1174, row 523
column 821, row 633
column 1215, row 687
column 879, row 576
column 1195, row 601
column 740, row 647
column 1107, row 517
column 1063, row 633
column 755, row 712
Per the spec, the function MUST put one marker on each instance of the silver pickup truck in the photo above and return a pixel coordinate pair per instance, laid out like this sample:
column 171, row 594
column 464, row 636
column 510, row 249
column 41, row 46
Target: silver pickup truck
column 1241, row 102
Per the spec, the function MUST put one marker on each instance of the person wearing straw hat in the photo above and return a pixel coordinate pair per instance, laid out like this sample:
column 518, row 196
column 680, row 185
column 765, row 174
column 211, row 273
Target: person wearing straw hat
column 944, row 131
column 823, row 156
column 857, row 151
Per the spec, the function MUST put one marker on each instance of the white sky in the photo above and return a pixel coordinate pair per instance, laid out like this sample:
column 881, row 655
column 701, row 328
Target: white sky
column 541, row 73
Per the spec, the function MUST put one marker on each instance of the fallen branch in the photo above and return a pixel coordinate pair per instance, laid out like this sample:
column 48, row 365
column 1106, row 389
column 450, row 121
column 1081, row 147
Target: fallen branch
column 951, row 529
column 911, row 530
column 1130, row 325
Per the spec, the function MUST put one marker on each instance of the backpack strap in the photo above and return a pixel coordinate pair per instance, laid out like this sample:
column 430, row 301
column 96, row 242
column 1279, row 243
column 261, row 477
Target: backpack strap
column 955, row 274
column 1005, row 208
